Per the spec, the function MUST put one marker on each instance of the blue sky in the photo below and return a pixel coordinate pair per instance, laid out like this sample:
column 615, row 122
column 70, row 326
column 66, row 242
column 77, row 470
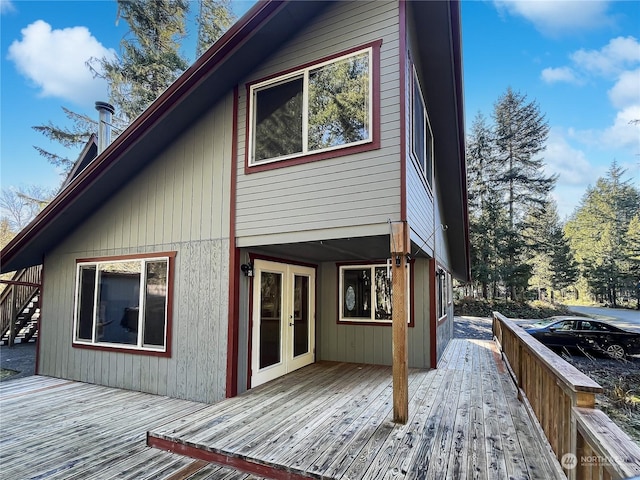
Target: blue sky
column 580, row 60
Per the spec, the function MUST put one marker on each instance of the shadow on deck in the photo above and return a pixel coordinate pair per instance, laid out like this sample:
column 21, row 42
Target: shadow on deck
column 334, row 420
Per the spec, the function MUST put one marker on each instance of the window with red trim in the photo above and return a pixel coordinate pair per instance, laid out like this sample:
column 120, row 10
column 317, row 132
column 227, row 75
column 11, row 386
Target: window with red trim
column 365, row 293
column 323, row 107
column 123, row 302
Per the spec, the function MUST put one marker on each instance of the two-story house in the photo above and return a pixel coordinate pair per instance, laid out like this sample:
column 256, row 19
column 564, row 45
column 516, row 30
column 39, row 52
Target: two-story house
column 239, row 228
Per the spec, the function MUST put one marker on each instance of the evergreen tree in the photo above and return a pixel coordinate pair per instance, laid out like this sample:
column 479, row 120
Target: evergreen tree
column 71, row 137
column 563, row 265
column 215, row 18
column 520, row 134
column 633, row 254
column 484, row 206
column 150, row 57
column 598, row 233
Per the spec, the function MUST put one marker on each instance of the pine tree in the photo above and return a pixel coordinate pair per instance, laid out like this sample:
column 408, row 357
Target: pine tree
column 598, row 233
column 484, row 206
column 215, row 18
column 71, row 137
column 150, row 59
column 520, row 135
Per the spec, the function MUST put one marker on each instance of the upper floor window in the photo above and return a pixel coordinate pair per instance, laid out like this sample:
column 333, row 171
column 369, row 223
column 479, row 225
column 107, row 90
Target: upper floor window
column 422, row 138
column 123, row 302
column 320, row 108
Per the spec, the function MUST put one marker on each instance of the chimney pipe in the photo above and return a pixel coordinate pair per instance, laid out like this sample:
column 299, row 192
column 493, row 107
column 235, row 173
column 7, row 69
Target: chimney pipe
column 104, row 125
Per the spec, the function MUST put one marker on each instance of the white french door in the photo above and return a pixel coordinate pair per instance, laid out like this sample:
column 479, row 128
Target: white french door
column 283, row 334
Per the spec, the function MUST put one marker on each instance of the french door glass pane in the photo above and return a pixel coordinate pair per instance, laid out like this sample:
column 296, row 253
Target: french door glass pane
column 278, row 120
column 300, row 315
column 270, row 318
column 339, row 103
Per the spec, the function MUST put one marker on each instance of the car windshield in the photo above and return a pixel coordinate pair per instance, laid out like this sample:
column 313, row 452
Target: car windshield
column 544, row 322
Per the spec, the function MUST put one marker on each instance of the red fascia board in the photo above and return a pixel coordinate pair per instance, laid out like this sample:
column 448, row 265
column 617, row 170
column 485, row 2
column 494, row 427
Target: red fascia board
column 236, row 35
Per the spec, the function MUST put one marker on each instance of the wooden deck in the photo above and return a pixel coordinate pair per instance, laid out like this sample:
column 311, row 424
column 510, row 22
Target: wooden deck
column 333, row 421
column 56, row 429
column 328, row 420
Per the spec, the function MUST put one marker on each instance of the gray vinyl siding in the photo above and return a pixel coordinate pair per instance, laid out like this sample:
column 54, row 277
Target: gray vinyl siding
column 365, row 343
column 180, row 202
column 420, row 199
column 348, row 191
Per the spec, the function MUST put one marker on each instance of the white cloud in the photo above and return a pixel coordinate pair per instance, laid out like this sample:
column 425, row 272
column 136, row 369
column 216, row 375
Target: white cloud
column 571, row 165
column 6, row 6
column 618, row 55
column 624, row 132
column 562, row 74
column 54, row 60
column 555, row 18
column 574, row 169
column 626, row 91
column 618, row 62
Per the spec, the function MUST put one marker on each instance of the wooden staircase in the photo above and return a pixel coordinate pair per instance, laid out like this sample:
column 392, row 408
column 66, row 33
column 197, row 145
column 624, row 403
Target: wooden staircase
column 20, row 307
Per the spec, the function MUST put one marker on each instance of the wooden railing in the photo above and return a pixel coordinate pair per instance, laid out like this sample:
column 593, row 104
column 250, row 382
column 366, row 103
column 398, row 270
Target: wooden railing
column 562, row 399
column 17, row 295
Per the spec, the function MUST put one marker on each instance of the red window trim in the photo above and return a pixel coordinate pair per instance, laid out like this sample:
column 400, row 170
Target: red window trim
column 374, row 144
column 170, row 281
column 380, row 323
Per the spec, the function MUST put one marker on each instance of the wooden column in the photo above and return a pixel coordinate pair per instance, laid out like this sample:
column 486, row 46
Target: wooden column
column 400, row 245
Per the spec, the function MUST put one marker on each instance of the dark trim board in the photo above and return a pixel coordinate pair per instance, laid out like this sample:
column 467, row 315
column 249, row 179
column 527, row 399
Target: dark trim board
column 234, row 265
column 225, row 460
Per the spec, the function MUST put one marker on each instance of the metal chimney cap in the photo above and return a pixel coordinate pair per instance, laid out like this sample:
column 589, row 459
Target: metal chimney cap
column 105, row 106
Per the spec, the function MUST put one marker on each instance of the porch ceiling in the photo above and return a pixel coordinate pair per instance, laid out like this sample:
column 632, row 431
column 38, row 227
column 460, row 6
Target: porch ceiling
column 336, row 250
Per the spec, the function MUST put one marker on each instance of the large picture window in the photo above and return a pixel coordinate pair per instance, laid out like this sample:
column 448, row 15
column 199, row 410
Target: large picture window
column 123, row 302
column 319, row 108
column 422, row 138
column 365, row 293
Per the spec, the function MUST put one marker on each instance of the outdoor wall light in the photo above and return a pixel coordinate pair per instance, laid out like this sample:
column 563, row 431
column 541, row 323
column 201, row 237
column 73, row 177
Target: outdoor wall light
column 247, row 269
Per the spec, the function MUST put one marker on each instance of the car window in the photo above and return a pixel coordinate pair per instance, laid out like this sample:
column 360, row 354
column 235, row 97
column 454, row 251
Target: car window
column 565, row 325
column 594, row 326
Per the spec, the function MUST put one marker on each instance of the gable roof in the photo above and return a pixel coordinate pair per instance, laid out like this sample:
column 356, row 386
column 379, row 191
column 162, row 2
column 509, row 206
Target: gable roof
column 260, row 32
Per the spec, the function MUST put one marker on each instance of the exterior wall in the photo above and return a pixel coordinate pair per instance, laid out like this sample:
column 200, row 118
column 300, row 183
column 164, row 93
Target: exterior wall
column 180, row 203
column 366, row 343
column 444, row 330
column 352, row 192
column 420, row 199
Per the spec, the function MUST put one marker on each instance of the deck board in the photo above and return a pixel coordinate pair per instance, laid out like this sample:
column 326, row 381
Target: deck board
column 328, row 420
column 339, row 425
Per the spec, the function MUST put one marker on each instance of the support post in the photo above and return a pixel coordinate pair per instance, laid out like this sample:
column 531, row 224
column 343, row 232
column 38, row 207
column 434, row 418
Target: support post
column 400, row 245
column 12, row 316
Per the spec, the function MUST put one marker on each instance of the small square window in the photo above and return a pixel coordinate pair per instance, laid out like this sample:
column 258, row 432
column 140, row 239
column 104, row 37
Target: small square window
column 365, row 294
